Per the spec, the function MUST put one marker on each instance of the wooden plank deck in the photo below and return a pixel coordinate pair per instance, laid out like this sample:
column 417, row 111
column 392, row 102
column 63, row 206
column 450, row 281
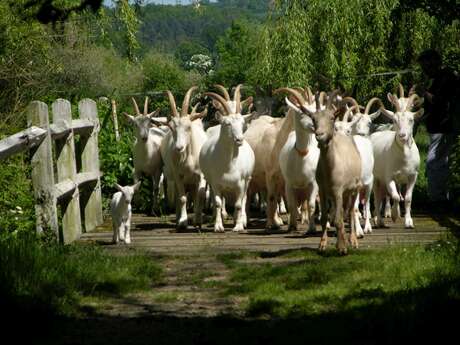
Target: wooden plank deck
column 157, row 235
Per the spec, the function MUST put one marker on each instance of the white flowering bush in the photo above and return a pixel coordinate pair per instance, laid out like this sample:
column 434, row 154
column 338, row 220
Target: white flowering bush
column 200, row 62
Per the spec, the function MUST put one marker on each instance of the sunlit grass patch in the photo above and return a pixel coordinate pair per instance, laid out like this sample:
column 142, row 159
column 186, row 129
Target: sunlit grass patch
column 320, row 284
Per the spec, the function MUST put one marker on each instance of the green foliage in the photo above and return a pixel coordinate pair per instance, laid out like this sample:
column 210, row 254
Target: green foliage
column 186, row 50
column 129, row 25
column 332, row 43
column 53, row 278
column 165, row 28
column 236, row 54
column 17, row 208
column 162, row 72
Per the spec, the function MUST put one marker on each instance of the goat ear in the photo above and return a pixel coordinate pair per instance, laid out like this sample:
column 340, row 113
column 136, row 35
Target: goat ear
column 118, row 187
column 130, row 118
column 375, row 115
column 136, row 186
column 249, row 117
column 419, row 114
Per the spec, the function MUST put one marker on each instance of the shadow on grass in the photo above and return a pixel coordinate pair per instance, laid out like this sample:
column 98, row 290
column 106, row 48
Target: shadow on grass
column 425, row 315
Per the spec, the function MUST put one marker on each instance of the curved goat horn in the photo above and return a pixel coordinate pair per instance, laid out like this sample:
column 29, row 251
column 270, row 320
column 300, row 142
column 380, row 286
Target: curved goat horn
column 349, row 110
column 186, row 102
column 221, row 100
column 172, row 103
column 224, row 91
column 146, row 105
column 295, row 93
column 136, row 108
column 321, row 97
column 401, row 91
column 237, row 98
column 350, row 100
column 371, row 103
column 412, row 99
column 309, row 94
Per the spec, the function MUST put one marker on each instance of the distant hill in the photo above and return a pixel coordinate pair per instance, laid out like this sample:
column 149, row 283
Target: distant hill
column 166, row 27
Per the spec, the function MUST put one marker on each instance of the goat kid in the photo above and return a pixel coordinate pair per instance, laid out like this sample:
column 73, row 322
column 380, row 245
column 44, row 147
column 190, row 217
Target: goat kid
column 120, row 209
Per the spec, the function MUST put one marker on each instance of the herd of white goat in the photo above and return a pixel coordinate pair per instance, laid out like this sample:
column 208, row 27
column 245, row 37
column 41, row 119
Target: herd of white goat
column 323, row 150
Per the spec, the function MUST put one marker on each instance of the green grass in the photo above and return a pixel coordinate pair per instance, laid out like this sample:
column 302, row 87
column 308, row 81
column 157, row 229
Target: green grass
column 309, row 284
column 52, row 279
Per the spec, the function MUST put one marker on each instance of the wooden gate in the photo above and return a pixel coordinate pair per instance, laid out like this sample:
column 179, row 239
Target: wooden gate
column 70, row 181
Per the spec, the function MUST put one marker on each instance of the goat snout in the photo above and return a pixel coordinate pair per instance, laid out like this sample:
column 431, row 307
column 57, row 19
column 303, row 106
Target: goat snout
column 402, row 136
column 239, row 141
column 320, row 135
column 180, row 148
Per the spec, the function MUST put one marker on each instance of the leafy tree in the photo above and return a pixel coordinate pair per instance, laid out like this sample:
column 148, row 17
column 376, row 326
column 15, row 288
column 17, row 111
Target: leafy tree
column 330, row 43
column 235, row 51
column 129, row 23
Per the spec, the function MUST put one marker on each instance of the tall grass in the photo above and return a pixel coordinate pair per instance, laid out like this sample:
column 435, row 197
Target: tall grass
column 51, row 279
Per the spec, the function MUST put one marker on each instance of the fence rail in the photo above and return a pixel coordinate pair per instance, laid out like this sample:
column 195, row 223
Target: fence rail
column 55, row 180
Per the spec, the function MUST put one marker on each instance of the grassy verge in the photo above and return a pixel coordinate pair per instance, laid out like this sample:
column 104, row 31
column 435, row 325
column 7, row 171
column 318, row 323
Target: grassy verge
column 52, row 279
column 306, row 283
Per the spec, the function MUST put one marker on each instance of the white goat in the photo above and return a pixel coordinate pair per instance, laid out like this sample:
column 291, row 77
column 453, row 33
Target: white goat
column 227, row 160
column 298, row 160
column 120, row 209
column 180, row 151
column 402, row 100
column 397, row 159
column 146, row 149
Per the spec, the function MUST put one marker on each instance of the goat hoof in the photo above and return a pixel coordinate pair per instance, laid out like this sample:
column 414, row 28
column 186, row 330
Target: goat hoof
column 409, row 224
column 238, row 228
column 219, row 228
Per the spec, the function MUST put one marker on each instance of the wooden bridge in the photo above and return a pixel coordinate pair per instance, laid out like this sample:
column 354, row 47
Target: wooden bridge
column 158, row 236
column 66, row 178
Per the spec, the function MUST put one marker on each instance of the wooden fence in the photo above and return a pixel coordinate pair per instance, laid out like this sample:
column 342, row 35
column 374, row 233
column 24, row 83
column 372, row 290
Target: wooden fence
column 56, row 182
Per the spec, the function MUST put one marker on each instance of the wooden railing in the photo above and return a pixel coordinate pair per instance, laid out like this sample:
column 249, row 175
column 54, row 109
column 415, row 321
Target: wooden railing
column 56, row 182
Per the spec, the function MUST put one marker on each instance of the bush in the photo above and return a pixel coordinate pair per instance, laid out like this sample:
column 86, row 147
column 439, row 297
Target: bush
column 16, row 199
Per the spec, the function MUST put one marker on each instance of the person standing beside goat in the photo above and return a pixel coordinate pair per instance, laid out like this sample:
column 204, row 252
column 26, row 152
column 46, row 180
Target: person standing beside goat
column 442, row 121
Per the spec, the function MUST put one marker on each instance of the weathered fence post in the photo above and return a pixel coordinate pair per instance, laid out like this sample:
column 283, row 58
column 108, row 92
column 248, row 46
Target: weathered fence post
column 67, row 171
column 115, row 120
column 91, row 199
column 42, row 172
